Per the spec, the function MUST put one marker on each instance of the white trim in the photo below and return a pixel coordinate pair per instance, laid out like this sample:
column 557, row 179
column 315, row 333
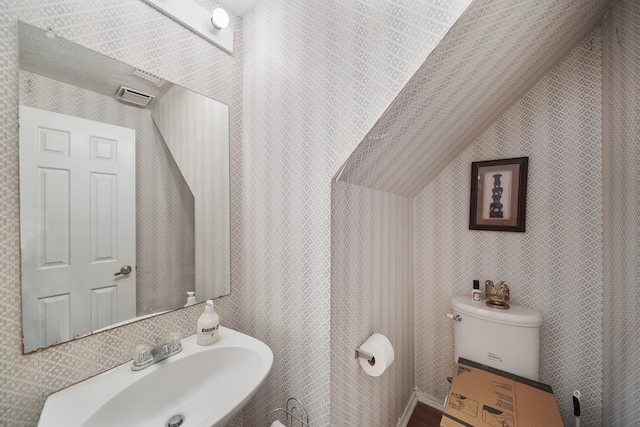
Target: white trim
column 197, row 19
column 430, row 401
column 408, row 411
column 418, row 396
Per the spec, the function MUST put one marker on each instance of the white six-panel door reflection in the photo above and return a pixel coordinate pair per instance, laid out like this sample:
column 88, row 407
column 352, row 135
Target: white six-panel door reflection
column 78, row 226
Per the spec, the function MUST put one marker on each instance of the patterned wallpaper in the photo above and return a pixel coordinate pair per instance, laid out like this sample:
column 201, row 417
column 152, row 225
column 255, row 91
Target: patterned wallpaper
column 621, row 147
column 167, row 255
column 196, row 130
column 368, row 51
column 371, row 291
column 134, row 33
column 495, row 52
column 556, row 266
column 307, row 83
column 317, row 75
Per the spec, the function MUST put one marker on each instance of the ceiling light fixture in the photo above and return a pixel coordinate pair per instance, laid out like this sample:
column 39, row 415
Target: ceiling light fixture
column 212, row 27
column 219, row 18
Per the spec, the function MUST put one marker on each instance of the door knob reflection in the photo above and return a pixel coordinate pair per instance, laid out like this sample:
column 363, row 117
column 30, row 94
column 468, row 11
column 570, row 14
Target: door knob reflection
column 125, row 269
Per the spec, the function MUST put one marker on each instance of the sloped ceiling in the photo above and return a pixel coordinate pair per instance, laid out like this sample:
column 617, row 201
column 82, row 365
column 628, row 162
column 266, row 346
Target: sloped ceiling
column 493, row 54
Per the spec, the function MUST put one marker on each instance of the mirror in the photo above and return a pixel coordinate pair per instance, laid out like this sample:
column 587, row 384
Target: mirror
column 124, row 208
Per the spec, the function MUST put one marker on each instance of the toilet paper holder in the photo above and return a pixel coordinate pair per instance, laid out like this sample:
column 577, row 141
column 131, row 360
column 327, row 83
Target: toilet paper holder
column 375, row 354
column 294, row 410
column 365, row 355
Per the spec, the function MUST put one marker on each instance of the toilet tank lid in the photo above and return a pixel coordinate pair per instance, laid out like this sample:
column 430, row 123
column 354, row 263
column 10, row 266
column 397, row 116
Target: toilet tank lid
column 516, row 315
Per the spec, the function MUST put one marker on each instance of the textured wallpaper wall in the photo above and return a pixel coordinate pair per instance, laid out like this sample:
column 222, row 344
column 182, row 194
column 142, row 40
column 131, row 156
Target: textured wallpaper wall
column 621, row 146
column 317, row 75
column 371, row 291
column 162, row 258
column 494, row 53
column 556, row 266
column 134, row 33
column 367, row 51
column 196, row 130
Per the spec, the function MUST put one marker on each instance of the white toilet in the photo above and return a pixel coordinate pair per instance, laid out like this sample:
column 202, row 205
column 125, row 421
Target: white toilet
column 503, row 339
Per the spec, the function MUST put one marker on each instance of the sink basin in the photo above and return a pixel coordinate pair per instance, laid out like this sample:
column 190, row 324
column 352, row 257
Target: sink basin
column 206, row 385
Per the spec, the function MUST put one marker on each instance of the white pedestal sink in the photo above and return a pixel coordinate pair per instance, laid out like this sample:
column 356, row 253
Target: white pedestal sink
column 206, row 385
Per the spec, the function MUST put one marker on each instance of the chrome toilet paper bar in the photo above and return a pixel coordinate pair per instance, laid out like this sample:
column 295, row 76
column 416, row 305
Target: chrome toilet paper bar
column 364, row 354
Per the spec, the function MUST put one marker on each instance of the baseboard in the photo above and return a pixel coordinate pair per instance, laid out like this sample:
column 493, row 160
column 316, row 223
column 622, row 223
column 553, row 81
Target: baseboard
column 416, row 397
column 408, row 410
column 430, row 401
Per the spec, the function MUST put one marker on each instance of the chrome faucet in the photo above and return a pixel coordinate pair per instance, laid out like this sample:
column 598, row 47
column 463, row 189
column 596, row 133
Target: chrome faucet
column 146, row 356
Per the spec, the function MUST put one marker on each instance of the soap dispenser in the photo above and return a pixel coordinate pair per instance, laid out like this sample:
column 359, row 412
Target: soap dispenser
column 191, row 299
column 208, row 324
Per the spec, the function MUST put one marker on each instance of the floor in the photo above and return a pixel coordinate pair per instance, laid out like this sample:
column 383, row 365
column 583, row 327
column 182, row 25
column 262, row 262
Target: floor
column 425, row 416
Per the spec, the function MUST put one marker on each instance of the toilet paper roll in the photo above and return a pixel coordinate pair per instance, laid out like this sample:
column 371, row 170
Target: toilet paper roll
column 277, row 423
column 383, row 355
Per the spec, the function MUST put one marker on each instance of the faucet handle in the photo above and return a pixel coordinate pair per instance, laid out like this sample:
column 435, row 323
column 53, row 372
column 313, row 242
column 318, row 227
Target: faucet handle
column 174, row 340
column 164, row 349
column 142, row 353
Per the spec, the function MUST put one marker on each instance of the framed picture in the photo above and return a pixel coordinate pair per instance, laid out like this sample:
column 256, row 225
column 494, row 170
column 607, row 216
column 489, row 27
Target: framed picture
column 499, row 195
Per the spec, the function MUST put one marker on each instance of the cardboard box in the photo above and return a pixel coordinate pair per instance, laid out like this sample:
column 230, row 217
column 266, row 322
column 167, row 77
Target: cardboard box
column 481, row 396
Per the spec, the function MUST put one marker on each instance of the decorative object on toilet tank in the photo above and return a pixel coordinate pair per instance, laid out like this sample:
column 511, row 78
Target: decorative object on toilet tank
column 499, row 195
column 476, row 294
column 497, row 294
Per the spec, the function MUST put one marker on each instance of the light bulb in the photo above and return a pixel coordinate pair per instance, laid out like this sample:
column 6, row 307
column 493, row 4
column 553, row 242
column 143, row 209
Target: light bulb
column 219, row 18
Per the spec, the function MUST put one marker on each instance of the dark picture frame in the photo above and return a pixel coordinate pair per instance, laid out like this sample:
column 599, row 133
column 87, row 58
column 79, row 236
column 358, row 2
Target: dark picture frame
column 499, row 195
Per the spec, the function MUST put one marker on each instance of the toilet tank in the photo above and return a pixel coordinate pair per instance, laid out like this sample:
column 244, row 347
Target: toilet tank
column 503, row 339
